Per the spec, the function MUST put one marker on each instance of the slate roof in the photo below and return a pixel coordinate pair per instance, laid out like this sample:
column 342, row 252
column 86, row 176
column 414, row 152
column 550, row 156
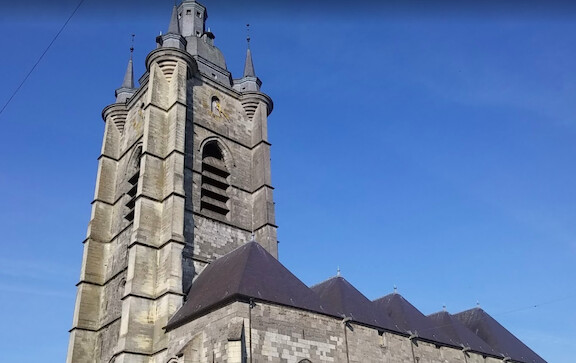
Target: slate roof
column 247, row 272
column 459, row 334
column 345, row 300
column 407, row 319
column 500, row 339
column 251, row 272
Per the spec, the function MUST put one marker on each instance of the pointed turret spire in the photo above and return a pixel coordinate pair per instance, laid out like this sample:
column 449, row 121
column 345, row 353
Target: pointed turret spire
column 126, row 90
column 129, row 76
column 249, row 65
column 173, row 38
column 174, row 27
column 249, row 82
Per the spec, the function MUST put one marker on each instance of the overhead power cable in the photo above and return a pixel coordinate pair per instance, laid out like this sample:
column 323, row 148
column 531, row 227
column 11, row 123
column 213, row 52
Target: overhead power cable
column 41, row 56
column 528, row 307
column 534, row 306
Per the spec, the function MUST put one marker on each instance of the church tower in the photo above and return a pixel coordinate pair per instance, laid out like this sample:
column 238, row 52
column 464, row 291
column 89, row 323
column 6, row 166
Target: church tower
column 183, row 178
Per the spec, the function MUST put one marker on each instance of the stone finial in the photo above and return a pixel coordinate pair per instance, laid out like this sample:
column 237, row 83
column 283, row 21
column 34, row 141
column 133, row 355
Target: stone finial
column 126, row 90
column 338, row 271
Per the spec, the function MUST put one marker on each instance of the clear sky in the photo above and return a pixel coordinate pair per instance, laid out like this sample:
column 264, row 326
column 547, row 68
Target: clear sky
column 427, row 147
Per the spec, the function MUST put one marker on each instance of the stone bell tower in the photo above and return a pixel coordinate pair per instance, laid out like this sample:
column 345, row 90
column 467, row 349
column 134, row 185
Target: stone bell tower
column 183, row 178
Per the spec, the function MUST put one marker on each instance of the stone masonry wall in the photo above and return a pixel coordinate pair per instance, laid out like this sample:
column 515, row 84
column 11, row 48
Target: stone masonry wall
column 214, row 239
column 286, row 335
column 214, row 234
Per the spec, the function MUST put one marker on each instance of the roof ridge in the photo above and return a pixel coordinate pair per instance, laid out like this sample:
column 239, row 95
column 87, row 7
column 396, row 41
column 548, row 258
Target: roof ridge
column 324, row 281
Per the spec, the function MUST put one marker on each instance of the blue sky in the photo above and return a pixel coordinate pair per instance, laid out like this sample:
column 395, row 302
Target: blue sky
column 425, row 147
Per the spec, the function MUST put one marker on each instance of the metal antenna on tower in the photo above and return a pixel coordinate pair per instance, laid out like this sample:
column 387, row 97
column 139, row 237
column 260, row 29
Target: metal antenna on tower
column 248, row 34
column 132, row 47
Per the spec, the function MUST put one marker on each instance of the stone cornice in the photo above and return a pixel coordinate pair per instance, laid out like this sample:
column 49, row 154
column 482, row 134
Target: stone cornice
column 159, row 53
column 258, row 96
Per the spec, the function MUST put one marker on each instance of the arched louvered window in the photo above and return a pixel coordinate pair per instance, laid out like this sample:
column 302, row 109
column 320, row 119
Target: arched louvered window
column 305, row 361
column 133, row 174
column 214, row 191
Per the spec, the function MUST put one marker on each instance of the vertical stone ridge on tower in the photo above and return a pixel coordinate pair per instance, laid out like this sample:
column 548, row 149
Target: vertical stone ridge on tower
column 183, row 178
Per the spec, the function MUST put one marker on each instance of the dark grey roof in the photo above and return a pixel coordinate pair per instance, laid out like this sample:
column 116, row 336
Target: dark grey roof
column 407, row 319
column 251, row 272
column 339, row 296
column 498, row 337
column 459, row 334
column 247, row 272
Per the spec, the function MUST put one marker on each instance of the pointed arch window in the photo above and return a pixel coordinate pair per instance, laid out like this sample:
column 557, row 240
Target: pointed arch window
column 133, row 173
column 214, row 190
